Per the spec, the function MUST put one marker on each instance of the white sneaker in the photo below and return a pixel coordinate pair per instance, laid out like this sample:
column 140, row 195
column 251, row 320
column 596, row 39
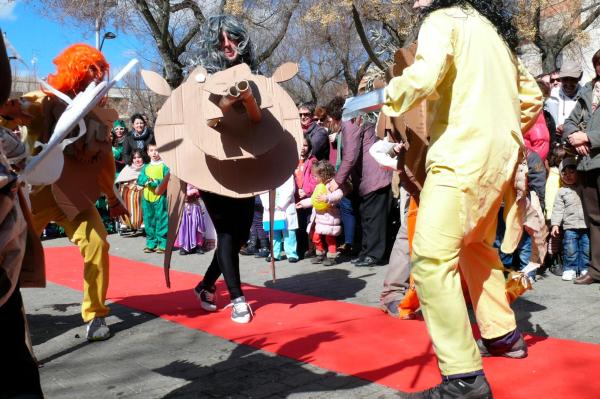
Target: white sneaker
column 583, row 272
column 568, row 275
column 241, row 312
column 206, row 298
column 97, row 330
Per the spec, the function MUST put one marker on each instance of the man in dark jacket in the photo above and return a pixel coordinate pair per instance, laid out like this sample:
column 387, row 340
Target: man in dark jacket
column 139, row 137
column 316, row 133
column 371, row 183
column 582, row 130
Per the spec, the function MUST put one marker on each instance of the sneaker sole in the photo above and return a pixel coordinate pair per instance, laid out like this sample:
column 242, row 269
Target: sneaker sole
column 96, row 339
column 241, row 320
column 511, row 355
column 206, row 306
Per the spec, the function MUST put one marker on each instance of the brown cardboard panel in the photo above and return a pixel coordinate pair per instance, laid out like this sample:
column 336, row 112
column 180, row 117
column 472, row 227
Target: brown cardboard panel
column 156, row 83
column 233, row 178
column 219, row 82
column 285, row 72
column 236, row 158
column 412, row 125
column 77, row 188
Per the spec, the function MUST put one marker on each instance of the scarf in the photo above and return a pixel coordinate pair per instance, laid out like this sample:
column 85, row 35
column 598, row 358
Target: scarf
column 129, row 173
column 140, row 139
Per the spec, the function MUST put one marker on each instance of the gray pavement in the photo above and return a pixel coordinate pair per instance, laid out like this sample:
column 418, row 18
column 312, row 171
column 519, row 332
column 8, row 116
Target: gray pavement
column 149, row 357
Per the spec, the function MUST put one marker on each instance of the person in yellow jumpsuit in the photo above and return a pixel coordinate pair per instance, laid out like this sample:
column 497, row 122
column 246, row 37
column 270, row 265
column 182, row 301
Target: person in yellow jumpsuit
column 89, row 170
column 480, row 98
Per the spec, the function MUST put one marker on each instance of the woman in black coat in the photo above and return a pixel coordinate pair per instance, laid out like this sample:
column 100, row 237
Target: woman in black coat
column 138, row 138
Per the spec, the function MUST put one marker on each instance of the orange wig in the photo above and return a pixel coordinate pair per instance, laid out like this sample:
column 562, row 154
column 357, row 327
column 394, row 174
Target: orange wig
column 76, row 67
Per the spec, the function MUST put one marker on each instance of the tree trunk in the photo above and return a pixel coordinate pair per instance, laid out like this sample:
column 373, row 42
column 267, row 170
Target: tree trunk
column 549, row 59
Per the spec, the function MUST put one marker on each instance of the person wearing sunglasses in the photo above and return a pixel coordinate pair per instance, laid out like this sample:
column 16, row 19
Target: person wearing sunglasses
column 564, row 97
column 316, row 133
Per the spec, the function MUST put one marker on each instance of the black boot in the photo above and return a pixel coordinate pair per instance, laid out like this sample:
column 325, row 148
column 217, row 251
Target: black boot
column 471, row 388
column 264, row 250
column 250, row 248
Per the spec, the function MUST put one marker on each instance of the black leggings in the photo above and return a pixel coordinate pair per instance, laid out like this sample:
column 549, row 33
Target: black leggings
column 232, row 218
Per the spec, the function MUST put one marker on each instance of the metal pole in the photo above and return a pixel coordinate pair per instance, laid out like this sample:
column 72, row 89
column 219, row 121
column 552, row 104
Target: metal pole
column 97, row 26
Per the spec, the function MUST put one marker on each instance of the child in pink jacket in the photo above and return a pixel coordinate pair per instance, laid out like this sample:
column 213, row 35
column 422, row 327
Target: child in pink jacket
column 325, row 218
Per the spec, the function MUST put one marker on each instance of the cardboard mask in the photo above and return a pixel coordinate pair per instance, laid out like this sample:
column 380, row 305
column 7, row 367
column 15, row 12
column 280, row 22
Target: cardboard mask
column 215, row 141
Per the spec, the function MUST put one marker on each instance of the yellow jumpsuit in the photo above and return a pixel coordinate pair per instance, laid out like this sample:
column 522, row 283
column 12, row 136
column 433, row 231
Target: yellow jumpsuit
column 85, row 229
column 480, row 97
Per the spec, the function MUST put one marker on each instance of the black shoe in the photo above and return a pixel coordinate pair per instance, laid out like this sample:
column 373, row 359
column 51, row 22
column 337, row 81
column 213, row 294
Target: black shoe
column 517, row 351
column 329, row 261
column 310, row 254
column 262, row 253
column 317, row 259
column 268, row 259
column 366, row 262
column 199, row 251
column 356, row 260
column 292, row 260
column 249, row 250
column 460, row 389
column 183, row 252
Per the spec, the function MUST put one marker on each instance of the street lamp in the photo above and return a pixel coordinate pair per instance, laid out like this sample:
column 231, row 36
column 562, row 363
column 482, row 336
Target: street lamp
column 107, row 35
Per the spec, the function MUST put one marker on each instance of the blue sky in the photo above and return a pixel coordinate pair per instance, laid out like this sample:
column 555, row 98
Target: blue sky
column 37, row 37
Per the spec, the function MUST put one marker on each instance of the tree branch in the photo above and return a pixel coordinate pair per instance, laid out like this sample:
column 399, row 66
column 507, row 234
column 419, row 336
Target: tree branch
column 280, row 35
column 363, row 38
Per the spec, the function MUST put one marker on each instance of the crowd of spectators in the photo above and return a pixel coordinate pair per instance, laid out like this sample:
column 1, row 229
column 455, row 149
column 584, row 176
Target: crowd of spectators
column 339, row 204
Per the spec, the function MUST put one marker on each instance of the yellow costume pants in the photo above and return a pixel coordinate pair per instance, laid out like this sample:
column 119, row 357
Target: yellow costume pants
column 86, row 231
column 438, row 248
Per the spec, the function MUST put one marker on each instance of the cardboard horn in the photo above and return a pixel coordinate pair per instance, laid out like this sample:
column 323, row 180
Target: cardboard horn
column 249, row 101
column 226, row 102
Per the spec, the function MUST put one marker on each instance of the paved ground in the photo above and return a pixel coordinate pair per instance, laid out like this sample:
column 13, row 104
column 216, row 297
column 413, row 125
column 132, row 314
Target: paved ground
column 149, row 357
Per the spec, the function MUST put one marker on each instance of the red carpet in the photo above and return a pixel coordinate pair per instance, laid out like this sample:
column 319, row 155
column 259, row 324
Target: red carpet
column 351, row 339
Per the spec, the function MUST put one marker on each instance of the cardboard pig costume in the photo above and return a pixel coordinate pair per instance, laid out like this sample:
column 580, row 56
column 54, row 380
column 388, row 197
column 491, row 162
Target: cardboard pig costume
column 232, row 147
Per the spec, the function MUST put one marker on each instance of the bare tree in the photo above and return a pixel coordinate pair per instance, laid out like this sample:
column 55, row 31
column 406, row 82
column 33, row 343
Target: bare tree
column 552, row 25
column 171, row 25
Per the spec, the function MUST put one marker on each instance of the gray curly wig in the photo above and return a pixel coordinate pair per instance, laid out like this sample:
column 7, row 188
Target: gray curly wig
column 211, row 57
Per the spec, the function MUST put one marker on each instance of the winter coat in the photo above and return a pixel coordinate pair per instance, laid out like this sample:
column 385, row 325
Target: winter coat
column 568, row 210
column 319, row 140
column 560, row 106
column 304, row 178
column 285, row 207
column 537, row 138
column 366, row 174
column 536, row 176
column 133, row 142
column 328, row 222
column 582, row 119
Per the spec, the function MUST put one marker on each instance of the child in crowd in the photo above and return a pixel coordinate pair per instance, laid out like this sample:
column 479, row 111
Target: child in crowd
column 190, row 237
column 154, row 177
column 258, row 243
column 131, row 193
column 325, row 217
column 305, row 185
column 285, row 220
column 568, row 212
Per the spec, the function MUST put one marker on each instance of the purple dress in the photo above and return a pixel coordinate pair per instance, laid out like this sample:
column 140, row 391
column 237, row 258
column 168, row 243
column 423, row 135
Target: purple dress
column 192, row 226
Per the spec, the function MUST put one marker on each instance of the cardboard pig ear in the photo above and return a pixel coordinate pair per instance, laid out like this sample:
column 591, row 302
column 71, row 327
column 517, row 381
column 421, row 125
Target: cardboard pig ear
column 156, row 83
column 285, row 72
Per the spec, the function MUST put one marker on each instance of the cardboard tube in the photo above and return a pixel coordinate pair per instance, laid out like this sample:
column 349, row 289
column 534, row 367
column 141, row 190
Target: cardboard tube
column 247, row 97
